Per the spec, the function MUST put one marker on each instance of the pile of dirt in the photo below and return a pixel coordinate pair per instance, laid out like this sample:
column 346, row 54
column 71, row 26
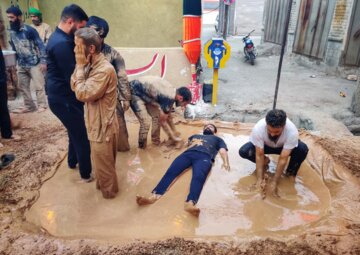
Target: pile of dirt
column 44, row 144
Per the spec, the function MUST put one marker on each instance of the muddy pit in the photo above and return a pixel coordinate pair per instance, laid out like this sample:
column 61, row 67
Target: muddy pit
column 44, row 210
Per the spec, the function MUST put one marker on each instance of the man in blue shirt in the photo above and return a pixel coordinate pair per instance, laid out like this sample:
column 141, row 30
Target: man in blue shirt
column 31, row 60
column 200, row 155
column 62, row 100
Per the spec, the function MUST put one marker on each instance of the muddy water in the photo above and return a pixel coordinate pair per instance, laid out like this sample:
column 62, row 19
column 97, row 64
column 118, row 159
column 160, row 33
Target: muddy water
column 229, row 207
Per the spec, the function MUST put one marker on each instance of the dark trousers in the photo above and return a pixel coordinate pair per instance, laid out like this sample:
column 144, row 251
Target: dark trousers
column 201, row 166
column 297, row 155
column 71, row 114
column 5, row 125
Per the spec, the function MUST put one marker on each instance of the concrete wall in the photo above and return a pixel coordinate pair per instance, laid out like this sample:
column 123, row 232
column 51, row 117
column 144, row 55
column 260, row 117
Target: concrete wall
column 175, row 64
column 142, row 23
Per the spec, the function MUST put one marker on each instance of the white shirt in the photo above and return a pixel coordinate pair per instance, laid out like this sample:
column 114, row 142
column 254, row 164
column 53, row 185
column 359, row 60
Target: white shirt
column 288, row 139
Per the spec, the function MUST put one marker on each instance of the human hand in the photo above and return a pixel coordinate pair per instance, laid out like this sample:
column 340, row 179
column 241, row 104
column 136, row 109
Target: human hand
column 80, row 56
column 43, row 68
column 163, row 117
column 273, row 189
column 226, row 166
column 125, row 105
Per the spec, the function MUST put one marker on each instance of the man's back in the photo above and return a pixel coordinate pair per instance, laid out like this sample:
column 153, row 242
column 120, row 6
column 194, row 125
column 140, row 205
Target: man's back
column 61, row 64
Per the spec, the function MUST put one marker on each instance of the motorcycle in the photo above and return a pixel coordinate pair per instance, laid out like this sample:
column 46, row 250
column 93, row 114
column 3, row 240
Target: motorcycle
column 249, row 49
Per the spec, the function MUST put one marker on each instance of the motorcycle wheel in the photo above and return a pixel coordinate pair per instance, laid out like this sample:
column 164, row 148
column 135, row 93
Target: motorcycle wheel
column 252, row 58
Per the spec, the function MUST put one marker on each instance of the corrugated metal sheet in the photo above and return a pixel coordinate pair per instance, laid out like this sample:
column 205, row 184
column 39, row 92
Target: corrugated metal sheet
column 313, row 27
column 352, row 49
column 275, row 13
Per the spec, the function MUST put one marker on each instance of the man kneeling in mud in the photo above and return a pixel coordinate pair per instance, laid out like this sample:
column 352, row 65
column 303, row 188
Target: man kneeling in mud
column 275, row 134
column 200, row 155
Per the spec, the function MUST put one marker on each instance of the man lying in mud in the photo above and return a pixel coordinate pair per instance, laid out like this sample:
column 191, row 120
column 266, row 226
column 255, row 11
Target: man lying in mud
column 152, row 99
column 275, row 134
column 200, row 155
column 94, row 82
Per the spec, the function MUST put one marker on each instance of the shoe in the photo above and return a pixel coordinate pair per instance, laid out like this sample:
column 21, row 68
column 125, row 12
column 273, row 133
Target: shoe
column 6, row 159
column 141, row 200
column 191, row 208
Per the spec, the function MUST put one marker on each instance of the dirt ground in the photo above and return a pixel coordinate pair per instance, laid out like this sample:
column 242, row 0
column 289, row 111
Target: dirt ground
column 44, row 144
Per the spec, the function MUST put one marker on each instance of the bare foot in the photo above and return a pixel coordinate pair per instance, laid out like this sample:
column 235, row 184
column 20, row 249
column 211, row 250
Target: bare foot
column 142, row 200
column 191, row 208
column 41, row 109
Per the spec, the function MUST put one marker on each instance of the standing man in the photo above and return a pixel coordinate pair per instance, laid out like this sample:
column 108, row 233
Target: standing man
column 31, row 60
column 124, row 96
column 62, row 100
column 200, row 156
column 275, row 134
column 152, row 99
column 42, row 28
column 94, row 82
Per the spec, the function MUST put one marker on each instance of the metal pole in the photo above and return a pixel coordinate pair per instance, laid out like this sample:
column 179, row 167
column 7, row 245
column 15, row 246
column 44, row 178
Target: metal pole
column 282, row 51
column 215, row 86
column 226, row 21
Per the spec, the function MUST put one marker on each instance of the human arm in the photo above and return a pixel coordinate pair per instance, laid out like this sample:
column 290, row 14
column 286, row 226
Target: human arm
column 123, row 83
column 41, row 48
column 225, row 159
column 283, row 159
column 260, row 165
column 48, row 32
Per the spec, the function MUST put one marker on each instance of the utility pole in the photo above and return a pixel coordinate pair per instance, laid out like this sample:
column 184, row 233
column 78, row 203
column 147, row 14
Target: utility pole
column 282, row 51
column 226, row 18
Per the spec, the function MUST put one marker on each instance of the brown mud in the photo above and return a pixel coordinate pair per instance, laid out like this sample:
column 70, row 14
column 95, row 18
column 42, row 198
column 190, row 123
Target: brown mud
column 44, row 145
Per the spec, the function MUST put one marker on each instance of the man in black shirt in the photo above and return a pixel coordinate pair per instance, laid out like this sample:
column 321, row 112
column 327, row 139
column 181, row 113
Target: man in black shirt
column 200, row 155
column 62, row 100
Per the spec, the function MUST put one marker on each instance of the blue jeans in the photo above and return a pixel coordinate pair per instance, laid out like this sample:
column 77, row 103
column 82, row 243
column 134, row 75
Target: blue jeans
column 297, row 156
column 201, row 166
column 71, row 114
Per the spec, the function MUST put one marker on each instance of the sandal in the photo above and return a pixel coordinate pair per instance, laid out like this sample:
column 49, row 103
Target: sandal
column 6, row 159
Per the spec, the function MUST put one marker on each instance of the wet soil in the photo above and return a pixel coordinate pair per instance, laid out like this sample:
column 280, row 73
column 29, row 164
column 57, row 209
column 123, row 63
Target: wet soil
column 44, row 144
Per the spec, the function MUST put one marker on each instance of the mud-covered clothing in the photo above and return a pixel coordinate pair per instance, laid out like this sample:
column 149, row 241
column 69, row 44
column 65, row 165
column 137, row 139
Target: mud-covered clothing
column 209, row 144
column 200, row 157
column 44, row 31
column 114, row 57
column 124, row 94
column 154, row 90
column 103, row 157
column 96, row 86
column 149, row 95
column 147, row 114
column 30, row 49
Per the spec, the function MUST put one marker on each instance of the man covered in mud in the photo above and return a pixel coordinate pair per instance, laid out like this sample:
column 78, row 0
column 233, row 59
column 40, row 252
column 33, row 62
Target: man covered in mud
column 41, row 27
column 152, row 100
column 31, row 60
column 275, row 134
column 200, row 155
column 94, row 82
column 62, row 100
column 124, row 96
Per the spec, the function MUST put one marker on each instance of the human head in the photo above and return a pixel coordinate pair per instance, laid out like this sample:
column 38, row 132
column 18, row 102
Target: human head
column 275, row 123
column 100, row 25
column 72, row 18
column 36, row 16
column 209, row 129
column 14, row 15
column 89, row 39
column 183, row 96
